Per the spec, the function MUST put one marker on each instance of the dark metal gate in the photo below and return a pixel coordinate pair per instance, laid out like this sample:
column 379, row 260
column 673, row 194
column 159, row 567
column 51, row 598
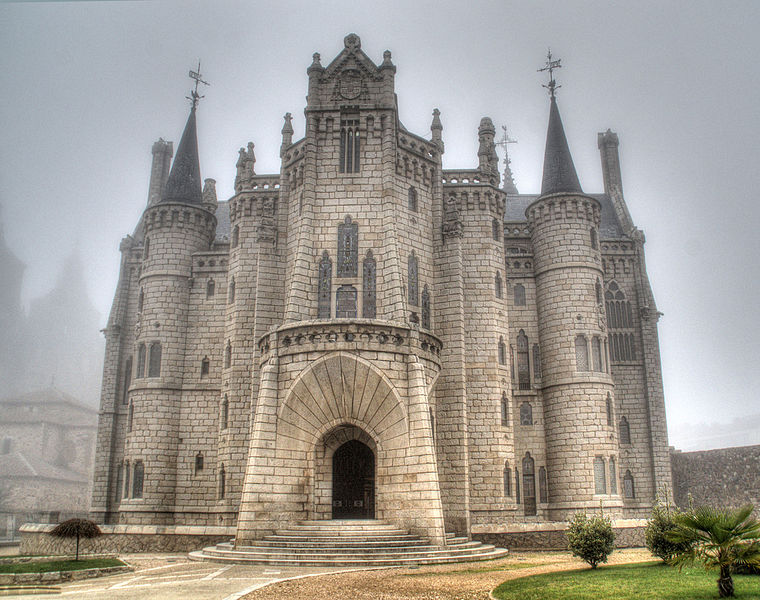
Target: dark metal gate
column 353, row 482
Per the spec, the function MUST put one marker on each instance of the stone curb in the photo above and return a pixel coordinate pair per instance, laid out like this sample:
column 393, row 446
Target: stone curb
column 11, row 579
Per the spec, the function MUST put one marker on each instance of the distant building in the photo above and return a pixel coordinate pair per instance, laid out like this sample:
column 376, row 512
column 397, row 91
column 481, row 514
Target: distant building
column 47, row 442
column 367, row 335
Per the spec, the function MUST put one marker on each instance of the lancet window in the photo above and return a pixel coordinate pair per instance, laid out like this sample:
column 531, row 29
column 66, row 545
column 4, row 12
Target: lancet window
column 620, row 324
column 349, row 144
column 369, row 286
column 628, row 488
column 600, row 476
column 348, row 248
column 425, row 308
column 413, row 283
column 325, row 286
column 581, row 353
column 625, row 431
column 137, row 479
column 523, row 367
column 412, row 199
column 613, row 476
column 154, row 360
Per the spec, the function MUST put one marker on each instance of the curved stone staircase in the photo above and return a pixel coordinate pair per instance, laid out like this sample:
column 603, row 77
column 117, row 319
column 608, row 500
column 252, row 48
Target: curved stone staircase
column 349, row 543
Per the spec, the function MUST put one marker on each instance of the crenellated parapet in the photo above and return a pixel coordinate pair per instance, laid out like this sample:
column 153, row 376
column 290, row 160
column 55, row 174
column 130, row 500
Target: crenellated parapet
column 562, row 207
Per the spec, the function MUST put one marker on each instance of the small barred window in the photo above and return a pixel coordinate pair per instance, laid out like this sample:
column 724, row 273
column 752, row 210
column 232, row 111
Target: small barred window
column 146, row 249
column 141, row 300
column 127, row 474
column 596, row 353
column 593, row 236
column 235, row 236
column 198, row 462
column 228, row 355
column 507, row 480
column 140, row 361
column 231, row 292
column 608, row 404
column 224, row 413
column 210, row 288
column 222, row 489
column 536, row 361
column 496, row 230
column 127, row 379
column 130, row 415
column 205, row 367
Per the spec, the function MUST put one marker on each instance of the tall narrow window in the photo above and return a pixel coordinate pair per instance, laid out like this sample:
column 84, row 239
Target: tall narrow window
column 529, row 484
column 625, row 431
column 146, row 248
column 517, row 485
column 127, row 473
column 198, row 462
column 154, row 360
column 345, row 302
column 205, row 367
column 523, row 368
column 349, row 144
column 519, row 294
column 224, row 413
column 593, row 236
column 600, row 476
column 222, row 483
column 613, row 476
column 598, row 291
column 325, row 287
column 127, row 379
column 235, row 236
column 413, row 284
column 137, row 479
column 526, row 413
column 228, row 355
column 581, row 353
column 348, row 248
column 425, row 308
column 130, row 415
column 608, row 405
column 495, row 230
column 369, row 286
column 141, row 300
column 140, row 361
column 504, row 409
column 512, row 362
column 536, row 361
column 507, row 480
column 543, row 492
column 432, row 422
column 412, row 199
column 502, row 352
column 596, row 353
column 620, row 323
column 210, row 288
column 628, row 489
column 497, row 285
column 119, row 482
column 231, row 292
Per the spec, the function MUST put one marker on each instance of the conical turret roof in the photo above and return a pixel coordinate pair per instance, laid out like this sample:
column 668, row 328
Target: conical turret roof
column 559, row 171
column 184, row 182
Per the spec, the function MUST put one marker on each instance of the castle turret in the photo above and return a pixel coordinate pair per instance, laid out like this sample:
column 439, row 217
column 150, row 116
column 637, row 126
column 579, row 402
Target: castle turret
column 159, row 170
column 581, row 443
column 174, row 228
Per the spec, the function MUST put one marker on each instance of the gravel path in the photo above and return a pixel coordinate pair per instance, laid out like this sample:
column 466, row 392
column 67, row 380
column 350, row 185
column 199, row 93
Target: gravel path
column 468, row 581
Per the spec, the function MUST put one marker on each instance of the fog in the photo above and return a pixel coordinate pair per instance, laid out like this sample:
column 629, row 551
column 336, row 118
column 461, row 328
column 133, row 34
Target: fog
column 89, row 86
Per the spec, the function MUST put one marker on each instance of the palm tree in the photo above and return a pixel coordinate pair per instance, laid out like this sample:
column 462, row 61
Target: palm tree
column 718, row 538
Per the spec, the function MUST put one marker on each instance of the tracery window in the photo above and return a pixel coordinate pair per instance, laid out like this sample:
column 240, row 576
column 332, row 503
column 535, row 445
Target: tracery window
column 620, row 324
column 519, row 294
column 127, row 379
column 536, row 361
column 140, row 361
column 210, row 288
column 137, row 479
column 526, row 413
column 581, row 353
column 498, row 286
column 625, row 431
column 224, row 413
column 507, row 480
column 413, row 283
column 369, row 286
column 325, row 287
column 231, row 291
column 348, row 248
column 596, row 353
column 504, row 409
column 543, row 492
column 345, row 302
column 425, row 308
column 600, row 476
column 412, row 199
column 154, row 360
column 628, row 487
column 523, row 367
column 613, row 476
column 502, row 352
column 222, row 490
column 349, row 144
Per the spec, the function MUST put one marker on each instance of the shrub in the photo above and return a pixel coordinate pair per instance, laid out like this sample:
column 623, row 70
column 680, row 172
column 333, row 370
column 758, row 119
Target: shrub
column 662, row 521
column 591, row 538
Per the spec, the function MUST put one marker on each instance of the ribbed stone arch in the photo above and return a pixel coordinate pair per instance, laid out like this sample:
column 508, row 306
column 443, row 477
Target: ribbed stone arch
column 341, row 388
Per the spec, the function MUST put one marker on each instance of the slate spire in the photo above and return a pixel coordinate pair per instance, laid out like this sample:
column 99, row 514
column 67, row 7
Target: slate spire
column 559, row 171
column 184, row 183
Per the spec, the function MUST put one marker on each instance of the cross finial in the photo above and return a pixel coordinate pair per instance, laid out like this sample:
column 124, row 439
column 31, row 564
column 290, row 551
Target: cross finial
column 550, row 66
column 194, row 95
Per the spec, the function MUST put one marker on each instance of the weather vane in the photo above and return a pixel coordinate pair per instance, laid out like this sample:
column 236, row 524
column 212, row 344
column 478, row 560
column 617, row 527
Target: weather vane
column 550, row 66
column 194, row 95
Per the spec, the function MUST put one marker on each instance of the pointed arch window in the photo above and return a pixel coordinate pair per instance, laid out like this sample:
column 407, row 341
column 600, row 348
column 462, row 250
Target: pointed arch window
column 543, row 492
column 222, row 484
column 523, row 366
column 504, row 409
column 413, row 283
column 348, row 248
column 613, row 476
column 526, row 414
column 345, row 302
column 625, row 431
column 425, row 308
column 210, row 288
column 231, row 291
column 628, row 488
column 140, row 361
column 325, row 287
column 127, row 379
column 349, row 144
column 529, row 484
column 235, row 236
column 581, row 353
column 620, row 323
column 519, row 294
column 137, row 479
column 600, row 476
column 498, row 286
column 507, row 480
column 198, row 462
column 154, row 360
column 224, row 413
column 502, row 351
column 412, row 199
column 369, row 286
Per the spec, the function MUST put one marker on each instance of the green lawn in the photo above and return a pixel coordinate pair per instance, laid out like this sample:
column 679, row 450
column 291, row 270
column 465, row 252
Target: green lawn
column 61, row 565
column 638, row 581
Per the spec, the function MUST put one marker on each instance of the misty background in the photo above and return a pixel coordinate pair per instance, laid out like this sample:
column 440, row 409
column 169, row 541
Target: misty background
column 87, row 87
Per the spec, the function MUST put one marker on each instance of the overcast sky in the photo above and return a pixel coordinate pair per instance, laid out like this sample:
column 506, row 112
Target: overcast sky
column 88, row 86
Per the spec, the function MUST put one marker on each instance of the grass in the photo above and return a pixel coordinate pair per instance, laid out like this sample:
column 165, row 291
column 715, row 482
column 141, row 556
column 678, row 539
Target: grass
column 61, row 565
column 637, row 581
column 474, row 570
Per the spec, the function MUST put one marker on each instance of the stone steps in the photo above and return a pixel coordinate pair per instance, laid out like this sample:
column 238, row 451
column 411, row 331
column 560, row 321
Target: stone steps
column 348, row 543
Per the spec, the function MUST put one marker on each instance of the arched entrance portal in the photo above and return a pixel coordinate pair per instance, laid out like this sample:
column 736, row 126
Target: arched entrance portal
column 353, row 477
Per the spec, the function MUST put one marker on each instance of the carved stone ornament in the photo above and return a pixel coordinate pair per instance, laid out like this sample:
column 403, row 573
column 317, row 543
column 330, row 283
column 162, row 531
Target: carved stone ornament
column 602, row 318
column 350, row 85
column 452, row 223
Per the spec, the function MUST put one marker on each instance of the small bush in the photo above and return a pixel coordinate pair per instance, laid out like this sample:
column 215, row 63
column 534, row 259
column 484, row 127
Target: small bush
column 661, row 522
column 591, row 538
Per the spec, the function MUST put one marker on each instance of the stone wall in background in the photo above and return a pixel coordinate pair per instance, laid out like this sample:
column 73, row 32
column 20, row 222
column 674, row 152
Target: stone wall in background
column 724, row 477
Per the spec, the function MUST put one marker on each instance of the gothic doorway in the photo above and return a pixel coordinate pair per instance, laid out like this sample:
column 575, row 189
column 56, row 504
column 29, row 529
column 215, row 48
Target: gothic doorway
column 529, row 485
column 353, row 478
